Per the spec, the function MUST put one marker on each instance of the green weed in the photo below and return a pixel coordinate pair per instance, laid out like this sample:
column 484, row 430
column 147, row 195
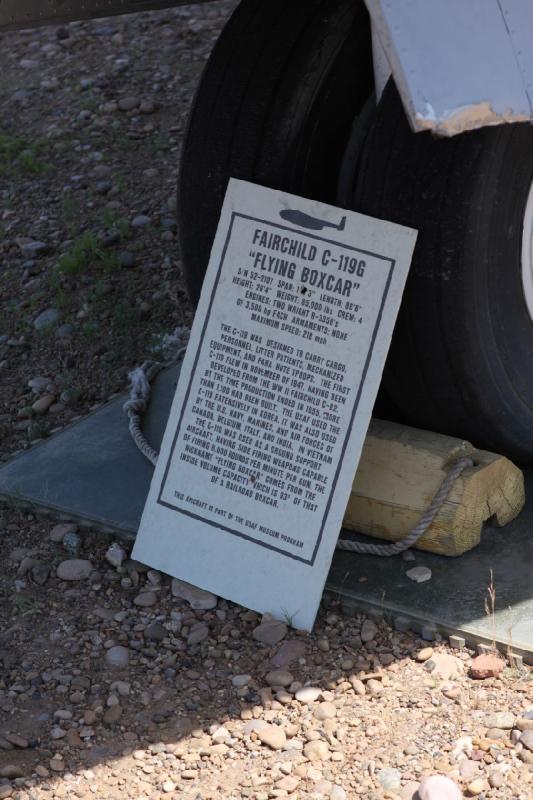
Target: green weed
column 85, row 252
column 18, row 154
column 113, row 222
column 25, row 606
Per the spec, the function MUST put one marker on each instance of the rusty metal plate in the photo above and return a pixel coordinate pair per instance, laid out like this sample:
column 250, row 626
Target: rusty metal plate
column 16, row 14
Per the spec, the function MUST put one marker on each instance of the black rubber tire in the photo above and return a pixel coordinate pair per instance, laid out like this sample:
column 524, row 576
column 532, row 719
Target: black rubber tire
column 275, row 106
column 462, row 353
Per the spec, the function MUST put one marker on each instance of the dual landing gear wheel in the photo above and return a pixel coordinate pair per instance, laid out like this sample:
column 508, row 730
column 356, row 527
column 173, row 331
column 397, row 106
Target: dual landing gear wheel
column 276, row 106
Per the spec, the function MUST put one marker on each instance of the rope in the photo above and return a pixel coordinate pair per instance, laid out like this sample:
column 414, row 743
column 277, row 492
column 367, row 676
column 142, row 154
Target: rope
column 419, row 530
column 141, row 379
column 140, row 389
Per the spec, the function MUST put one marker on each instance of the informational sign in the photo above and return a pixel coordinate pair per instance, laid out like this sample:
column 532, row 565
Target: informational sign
column 274, row 399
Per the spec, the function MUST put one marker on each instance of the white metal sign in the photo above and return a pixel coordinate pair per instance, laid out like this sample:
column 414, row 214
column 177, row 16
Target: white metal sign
column 274, row 399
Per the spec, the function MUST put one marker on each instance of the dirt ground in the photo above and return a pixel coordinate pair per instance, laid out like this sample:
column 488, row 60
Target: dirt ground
column 114, row 680
column 92, row 119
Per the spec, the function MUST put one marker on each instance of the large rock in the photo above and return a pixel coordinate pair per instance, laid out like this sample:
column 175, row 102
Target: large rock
column 269, row 631
column 74, row 569
column 273, row 736
column 488, row 665
column 117, row 657
column 316, row 750
column 500, row 719
column 46, row 319
column 437, row 787
column 11, row 771
column 444, row 666
column 145, row 599
column 197, row 598
column 308, row 694
column 279, row 677
column 389, row 778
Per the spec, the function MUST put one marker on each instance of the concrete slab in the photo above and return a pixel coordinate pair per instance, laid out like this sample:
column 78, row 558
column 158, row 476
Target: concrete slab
column 453, row 601
column 93, row 472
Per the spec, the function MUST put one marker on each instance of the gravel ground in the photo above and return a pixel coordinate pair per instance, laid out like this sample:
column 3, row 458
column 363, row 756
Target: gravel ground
column 119, row 682
column 92, row 120
column 114, row 680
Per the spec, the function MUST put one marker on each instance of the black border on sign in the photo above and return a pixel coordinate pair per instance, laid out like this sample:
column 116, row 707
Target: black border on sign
column 217, row 525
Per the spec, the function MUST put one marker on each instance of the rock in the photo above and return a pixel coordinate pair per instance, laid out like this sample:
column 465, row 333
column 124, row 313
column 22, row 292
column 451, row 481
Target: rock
column 527, row 739
column 65, row 331
column 46, row 319
column 317, row 750
column 437, row 787
column 145, row 599
column 409, row 791
column 11, row 771
column 496, row 779
column 103, row 187
column 468, row 769
column 17, row 740
column 273, row 736
column 477, row 786
column 155, row 632
column 197, row 598
column 358, row 686
column 42, row 405
column 424, row 654
column 444, row 666
column 369, row 630
column 39, row 384
column 338, row 793
column 419, row 574
column 34, row 249
column 374, row 687
column 147, row 106
column 500, row 719
column 117, row 657
column 279, row 677
column 113, row 714
column 239, row 681
column 289, row 651
column 74, row 569
column 524, row 724
column 58, row 531
column 40, row 573
column 70, row 396
column 5, row 791
column 128, row 103
column 115, row 555
column 72, row 543
column 269, row 631
column 126, row 260
column 308, row 694
column 141, row 221
column 122, row 687
column 389, row 778
column 325, row 711
column 488, row 665
column 198, row 635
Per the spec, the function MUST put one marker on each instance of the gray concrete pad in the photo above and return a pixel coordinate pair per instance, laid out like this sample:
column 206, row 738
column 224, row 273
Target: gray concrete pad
column 93, row 472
